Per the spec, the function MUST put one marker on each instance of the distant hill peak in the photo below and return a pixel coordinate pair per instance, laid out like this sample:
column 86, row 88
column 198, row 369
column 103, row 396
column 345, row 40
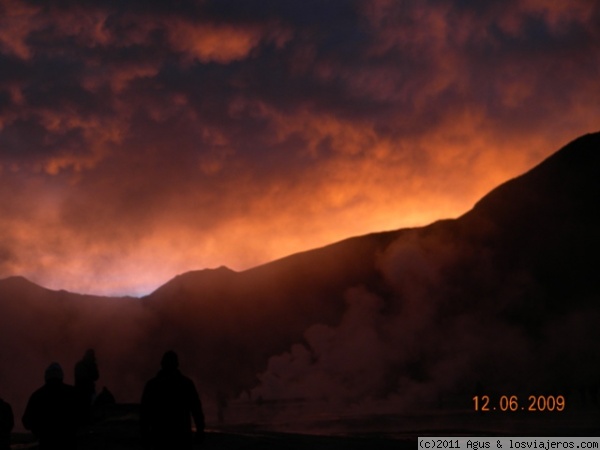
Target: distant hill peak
column 196, row 278
column 21, row 284
column 219, row 271
column 18, row 280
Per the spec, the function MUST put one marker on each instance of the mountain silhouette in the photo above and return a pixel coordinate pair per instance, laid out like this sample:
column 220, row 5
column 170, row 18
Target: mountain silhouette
column 534, row 235
column 388, row 315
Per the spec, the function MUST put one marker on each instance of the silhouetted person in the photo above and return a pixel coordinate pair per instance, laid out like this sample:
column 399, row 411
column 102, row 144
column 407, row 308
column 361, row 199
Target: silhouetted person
column 103, row 405
column 54, row 412
column 105, row 398
column 168, row 401
column 7, row 422
column 86, row 375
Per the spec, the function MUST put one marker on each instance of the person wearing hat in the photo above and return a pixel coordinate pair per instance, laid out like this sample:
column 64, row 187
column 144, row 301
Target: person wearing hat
column 54, row 412
column 169, row 401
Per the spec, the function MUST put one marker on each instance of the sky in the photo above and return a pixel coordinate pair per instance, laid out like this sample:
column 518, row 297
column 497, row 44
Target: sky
column 143, row 139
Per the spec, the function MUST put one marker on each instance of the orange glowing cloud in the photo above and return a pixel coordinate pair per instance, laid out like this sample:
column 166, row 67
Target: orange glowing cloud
column 209, row 42
column 17, row 19
column 140, row 142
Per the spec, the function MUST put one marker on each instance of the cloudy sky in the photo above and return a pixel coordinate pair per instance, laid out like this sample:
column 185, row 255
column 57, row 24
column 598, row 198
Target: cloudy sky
column 143, row 139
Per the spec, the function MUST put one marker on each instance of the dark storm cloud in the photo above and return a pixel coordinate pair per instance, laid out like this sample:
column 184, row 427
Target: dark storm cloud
column 144, row 125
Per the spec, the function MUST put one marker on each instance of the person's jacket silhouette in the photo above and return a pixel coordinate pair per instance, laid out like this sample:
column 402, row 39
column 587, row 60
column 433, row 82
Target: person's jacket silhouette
column 168, row 402
column 54, row 412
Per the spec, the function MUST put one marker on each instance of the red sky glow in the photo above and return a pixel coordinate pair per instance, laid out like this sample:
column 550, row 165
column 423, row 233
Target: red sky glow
column 143, row 139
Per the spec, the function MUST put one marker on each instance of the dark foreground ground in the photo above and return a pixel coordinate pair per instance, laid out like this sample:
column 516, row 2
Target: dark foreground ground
column 239, row 441
column 118, row 429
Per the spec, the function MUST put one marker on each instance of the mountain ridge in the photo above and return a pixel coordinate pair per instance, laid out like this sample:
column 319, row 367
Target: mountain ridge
column 372, row 316
column 577, row 154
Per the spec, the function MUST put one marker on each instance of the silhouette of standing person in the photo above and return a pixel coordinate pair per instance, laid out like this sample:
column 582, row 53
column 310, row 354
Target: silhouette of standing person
column 168, row 401
column 105, row 398
column 7, row 422
column 54, row 412
column 86, row 375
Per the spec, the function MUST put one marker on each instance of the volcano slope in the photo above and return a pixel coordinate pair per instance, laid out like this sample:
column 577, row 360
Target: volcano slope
column 504, row 297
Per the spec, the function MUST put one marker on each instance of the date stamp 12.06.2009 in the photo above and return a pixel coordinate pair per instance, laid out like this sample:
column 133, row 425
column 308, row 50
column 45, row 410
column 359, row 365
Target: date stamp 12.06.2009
column 513, row 403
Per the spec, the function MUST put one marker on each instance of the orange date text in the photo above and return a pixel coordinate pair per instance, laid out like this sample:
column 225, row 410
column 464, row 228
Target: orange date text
column 512, row 403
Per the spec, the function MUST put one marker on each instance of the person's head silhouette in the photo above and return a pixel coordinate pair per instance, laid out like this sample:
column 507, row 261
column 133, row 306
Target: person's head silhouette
column 54, row 372
column 170, row 361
